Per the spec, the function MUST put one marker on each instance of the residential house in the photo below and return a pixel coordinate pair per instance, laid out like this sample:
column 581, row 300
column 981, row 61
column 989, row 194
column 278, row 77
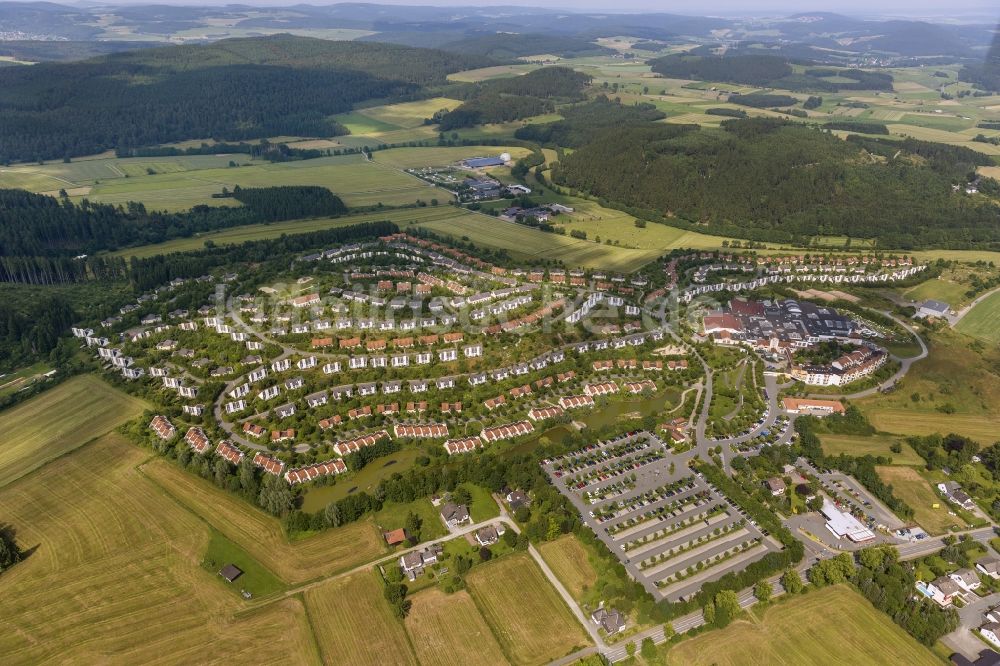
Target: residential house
column 454, row 515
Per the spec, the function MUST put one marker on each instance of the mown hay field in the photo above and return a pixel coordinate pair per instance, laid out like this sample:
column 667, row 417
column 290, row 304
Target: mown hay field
column 983, row 321
column 568, row 559
column 980, row 427
column 830, row 626
column 261, row 536
column 354, row 624
column 528, row 617
column 59, row 420
column 874, row 445
column 915, row 490
column 448, row 630
column 408, row 115
column 113, row 576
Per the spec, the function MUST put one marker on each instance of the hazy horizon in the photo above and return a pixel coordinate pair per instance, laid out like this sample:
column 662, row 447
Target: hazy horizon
column 898, row 9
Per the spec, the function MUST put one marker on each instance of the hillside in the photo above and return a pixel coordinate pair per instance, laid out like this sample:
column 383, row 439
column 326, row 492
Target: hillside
column 767, row 71
column 506, row 46
column 777, row 181
column 150, row 96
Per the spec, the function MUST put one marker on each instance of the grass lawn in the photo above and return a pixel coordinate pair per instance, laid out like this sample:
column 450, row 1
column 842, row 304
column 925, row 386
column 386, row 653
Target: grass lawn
column 876, row 445
column 568, row 559
column 916, row 491
column 532, row 623
column 354, row 624
column 59, row 420
column 940, row 289
column 114, row 577
column 261, row 535
column 393, row 516
column 448, row 630
column 830, row 626
column 983, row 321
column 483, row 505
column 256, row 578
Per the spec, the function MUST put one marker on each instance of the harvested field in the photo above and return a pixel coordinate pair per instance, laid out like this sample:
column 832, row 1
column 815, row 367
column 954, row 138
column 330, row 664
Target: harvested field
column 354, row 623
column 114, row 577
column 86, row 406
column 448, row 630
column 261, row 536
column 830, row 626
column 532, row 623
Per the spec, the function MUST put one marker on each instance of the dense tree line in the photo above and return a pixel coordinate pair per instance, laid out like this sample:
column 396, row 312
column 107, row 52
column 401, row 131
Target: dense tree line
column 767, row 179
column 752, row 70
column 37, row 225
column 766, row 71
column 289, row 202
column 504, row 100
column 264, row 149
column 232, row 90
column 584, row 123
column 30, row 329
column 150, row 272
column 762, row 100
column 493, row 108
column 857, row 126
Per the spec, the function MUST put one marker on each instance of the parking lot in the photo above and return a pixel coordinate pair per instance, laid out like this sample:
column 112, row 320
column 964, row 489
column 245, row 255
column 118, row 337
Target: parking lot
column 670, row 528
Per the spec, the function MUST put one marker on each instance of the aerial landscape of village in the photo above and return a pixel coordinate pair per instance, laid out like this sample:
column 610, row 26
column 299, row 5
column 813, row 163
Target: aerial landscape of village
column 477, row 334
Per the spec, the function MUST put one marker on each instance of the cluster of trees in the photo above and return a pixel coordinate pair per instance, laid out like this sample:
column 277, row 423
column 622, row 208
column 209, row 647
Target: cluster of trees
column 954, row 451
column 766, row 71
column 154, row 96
column 857, row 126
column 730, row 113
column 583, row 123
column 37, row 225
column 289, row 202
column 772, row 180
column 362, row 457
column 888, row 585
column 31, row 329
column 10, row 553
column 504, row 100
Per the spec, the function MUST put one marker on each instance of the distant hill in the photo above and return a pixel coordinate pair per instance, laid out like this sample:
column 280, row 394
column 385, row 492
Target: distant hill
column 507, row 46
column 767, row 70
column 230, row 90
column 65, row 51
column 771, row 180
